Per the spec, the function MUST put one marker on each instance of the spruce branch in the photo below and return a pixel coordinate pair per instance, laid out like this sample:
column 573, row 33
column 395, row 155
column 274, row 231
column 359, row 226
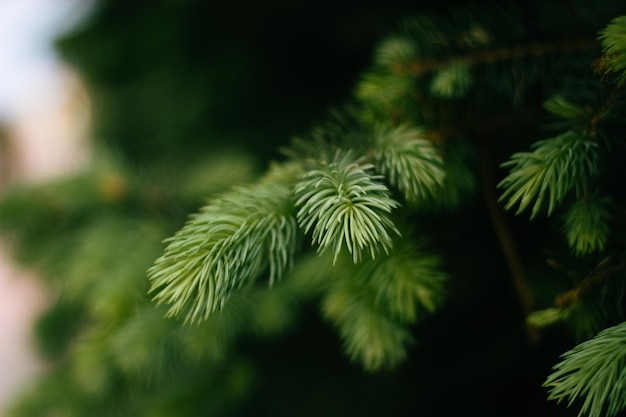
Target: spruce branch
column 408, row 160
column 497, row 54
column 595, row 371
column 373, row 303
column 343, row 204
column 587, row 107
column 385, row 92
column 228, row 244
column 550, row 172
column 404, row 284
column 593, row 304
column 560, row 106
column 548, row 316
column 613, row 62
column 394, row 50
column 586, row 225
column 452, row 82
column 602, row 271
column 369, row 336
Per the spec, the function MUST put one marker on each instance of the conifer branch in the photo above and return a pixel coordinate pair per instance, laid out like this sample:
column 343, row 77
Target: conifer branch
column 228, row 244
column 555, row 167
column 373, row 302
column 345, row 205
column 593, row 370
column 599, row 275
column 405, row 284
column 489, row 56
column 613, row 62
column 586, row 225
column 369, row 337
column 408, row 160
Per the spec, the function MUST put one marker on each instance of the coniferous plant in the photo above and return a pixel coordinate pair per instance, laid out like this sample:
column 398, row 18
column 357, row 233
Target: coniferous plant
column 490, row 108
column 348, row 182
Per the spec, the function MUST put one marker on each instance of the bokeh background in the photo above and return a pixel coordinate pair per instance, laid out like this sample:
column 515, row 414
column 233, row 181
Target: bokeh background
column 44, row 113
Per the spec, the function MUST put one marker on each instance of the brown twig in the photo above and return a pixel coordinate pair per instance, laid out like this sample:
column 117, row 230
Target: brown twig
column 600, row 274
column 488, row 56
column 505, row 237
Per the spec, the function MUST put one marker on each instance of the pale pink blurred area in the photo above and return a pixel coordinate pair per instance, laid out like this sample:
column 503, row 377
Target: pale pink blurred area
column 49, row 141
column 44, row 125
column 22, row 299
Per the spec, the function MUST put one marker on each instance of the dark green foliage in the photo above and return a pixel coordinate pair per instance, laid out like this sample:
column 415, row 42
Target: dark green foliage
column 372, row 235
column 614, row 45
column 175, row 79
column 586, row 225
column 371, row 304
column 410, row 162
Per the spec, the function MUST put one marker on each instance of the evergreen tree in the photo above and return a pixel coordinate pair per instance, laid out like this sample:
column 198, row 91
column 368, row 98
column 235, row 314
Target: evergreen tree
column 451, row 228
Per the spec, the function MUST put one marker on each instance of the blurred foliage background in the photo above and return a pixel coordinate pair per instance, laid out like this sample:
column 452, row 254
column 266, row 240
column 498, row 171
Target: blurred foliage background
column 190, row 98
column 180, row 77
